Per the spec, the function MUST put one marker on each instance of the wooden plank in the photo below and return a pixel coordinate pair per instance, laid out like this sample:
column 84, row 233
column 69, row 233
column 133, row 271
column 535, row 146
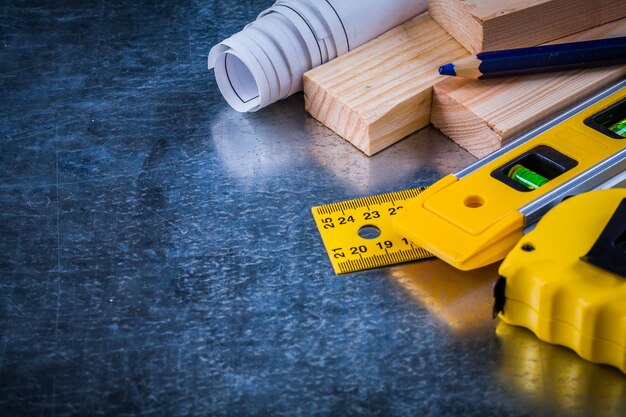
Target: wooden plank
column 482, row 115
column 382, row 91
column 488, row 25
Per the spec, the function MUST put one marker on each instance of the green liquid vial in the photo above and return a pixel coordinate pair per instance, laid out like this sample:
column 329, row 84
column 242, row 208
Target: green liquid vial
column 526, row 177
column 619, row 128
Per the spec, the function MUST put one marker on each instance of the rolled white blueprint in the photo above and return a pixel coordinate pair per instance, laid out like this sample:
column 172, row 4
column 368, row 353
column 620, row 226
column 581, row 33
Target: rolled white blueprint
column 265, row 62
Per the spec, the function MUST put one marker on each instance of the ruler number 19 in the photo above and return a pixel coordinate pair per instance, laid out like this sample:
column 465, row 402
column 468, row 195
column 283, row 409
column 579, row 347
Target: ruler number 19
column 387, row 244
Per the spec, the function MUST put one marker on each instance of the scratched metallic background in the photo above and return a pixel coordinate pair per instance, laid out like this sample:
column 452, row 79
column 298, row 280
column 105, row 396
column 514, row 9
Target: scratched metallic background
column 158, row 257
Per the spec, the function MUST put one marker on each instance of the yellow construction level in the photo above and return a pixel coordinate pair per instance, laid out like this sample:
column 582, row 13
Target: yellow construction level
column 474, row 218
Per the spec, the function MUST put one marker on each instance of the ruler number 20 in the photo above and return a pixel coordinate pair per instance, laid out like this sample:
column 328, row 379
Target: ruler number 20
column 356, row 250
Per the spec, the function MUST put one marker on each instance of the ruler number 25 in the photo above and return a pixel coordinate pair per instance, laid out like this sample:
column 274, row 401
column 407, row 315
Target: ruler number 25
column 328, row 223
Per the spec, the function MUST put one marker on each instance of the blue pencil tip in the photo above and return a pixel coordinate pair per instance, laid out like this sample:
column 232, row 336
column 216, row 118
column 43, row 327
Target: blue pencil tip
column 447, row 69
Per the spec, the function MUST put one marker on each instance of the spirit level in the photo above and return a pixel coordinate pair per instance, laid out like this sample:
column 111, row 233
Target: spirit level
column 474, row 218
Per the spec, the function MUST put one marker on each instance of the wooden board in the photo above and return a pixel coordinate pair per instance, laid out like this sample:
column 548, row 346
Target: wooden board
column 382, row 91
column 482, row 115
column 487, row 25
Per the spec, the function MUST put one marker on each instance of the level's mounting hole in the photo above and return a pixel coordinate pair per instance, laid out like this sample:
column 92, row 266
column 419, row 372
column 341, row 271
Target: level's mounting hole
column 369, row 232
column 474, row 201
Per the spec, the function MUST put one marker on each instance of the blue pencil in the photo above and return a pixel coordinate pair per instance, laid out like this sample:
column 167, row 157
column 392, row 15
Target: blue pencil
column 536, row 59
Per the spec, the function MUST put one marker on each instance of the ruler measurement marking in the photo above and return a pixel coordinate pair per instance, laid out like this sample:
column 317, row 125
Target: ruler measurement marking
column 382, row 260
column 339, row 223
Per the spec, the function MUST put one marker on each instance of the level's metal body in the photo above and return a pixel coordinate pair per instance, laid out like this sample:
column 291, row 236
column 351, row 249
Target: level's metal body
column 593, row 178
column 474, row 217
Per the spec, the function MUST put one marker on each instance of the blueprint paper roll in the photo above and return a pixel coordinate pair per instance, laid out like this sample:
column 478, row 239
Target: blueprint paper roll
column 265, row 62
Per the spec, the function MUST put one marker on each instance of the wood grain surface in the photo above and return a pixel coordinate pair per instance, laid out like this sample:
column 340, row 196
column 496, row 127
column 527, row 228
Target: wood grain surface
column 482, row 115
column 381, row 92
column 487, row 25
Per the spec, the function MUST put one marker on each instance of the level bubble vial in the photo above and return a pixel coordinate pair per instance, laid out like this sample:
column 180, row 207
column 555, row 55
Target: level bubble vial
column 528, row 178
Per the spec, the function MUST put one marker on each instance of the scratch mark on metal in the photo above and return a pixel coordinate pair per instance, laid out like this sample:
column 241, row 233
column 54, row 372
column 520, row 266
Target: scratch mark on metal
column 57, row 58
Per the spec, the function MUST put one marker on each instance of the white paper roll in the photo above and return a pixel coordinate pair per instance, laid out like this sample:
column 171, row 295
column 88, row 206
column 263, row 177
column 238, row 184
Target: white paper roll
column 265, row 62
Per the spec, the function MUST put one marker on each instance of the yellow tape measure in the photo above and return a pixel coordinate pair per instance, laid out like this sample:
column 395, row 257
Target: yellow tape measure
column 358, row 234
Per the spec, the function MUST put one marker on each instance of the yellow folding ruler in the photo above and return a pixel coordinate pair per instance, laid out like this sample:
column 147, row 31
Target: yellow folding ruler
column 358, row 234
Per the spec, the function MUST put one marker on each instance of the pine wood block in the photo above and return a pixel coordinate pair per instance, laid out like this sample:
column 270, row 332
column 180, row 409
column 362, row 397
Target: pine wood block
column 483, row 115
column 488, row 25
column 382, row 91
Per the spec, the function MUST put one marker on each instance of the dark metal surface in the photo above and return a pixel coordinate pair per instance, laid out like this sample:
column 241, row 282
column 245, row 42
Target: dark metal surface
column 158, row 256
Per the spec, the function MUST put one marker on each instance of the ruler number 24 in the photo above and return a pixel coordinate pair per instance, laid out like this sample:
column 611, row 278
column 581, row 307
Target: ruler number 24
column 329, row 224
column 368, row 215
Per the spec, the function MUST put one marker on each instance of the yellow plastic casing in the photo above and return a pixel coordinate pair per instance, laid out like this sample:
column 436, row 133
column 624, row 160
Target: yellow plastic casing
column 475, row 220
column 559, row 297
